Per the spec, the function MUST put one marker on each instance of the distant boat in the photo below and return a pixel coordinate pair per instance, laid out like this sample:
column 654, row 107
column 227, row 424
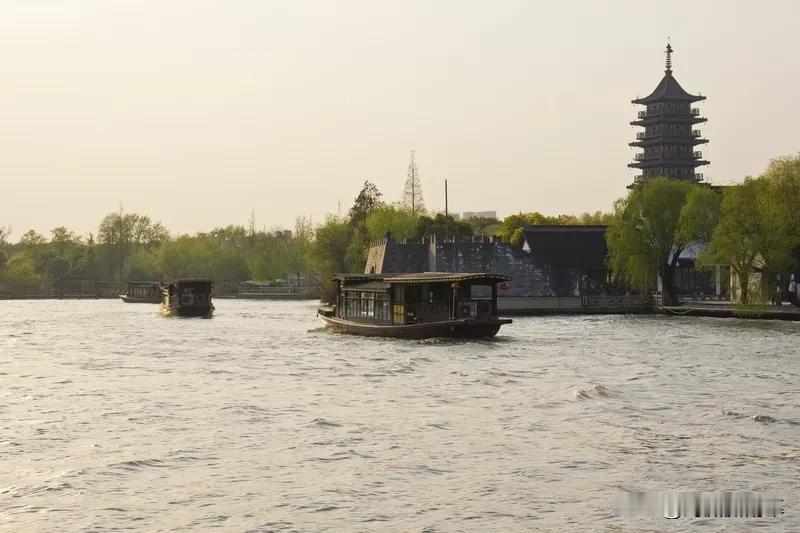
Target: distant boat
column 187, row 297
column 416, row 306
column 142, row 292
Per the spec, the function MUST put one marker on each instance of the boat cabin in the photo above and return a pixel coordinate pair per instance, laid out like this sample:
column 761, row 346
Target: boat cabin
column 142, row 292
column 403, row 299
column 187, row 297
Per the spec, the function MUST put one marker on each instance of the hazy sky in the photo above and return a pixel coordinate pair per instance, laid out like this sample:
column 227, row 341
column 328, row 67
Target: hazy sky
column 195, row 112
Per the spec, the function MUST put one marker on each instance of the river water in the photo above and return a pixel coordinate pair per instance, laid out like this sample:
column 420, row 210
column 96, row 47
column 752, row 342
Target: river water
column 113, row 417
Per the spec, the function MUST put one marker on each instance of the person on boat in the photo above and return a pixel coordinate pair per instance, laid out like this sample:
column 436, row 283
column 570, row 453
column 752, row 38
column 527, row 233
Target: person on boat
column 792, row 290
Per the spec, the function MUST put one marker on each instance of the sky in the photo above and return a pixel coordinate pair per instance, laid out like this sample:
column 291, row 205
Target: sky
column 198, row 113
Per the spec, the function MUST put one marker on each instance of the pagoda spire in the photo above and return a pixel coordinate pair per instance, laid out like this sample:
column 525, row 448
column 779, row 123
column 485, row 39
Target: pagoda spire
column 668, row 51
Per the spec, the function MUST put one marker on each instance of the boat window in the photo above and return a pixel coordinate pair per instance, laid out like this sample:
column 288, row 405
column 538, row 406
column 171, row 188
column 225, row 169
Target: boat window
column 187, row 296
column 366, row 305
column 480, row 292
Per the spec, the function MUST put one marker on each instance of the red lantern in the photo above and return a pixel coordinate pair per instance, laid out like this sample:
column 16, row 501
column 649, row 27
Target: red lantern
column 504, row 286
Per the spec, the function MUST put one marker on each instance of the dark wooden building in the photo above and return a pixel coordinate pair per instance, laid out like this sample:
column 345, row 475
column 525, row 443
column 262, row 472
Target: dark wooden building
column 669, row 138
column 573, row 257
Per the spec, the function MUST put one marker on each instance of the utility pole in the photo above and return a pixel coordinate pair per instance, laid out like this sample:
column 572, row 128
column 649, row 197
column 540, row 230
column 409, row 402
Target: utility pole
column 445, row 197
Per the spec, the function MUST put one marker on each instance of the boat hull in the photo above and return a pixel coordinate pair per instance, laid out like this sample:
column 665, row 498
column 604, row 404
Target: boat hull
column 203, row 311
column 465, row 328
column 134, row 300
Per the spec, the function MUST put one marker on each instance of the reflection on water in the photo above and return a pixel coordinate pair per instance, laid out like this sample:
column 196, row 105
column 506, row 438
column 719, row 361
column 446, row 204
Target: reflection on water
column 114, row 417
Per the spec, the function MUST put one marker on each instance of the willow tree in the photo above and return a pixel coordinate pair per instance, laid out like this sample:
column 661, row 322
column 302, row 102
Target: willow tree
column 653, row 226
column 779, row 205
column 738, row 238
column 759, row 227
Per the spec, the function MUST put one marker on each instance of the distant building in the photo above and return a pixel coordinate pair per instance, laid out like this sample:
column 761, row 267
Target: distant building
column 669, row 138
column 478, row 214
column 562, row 261
column 553, row 260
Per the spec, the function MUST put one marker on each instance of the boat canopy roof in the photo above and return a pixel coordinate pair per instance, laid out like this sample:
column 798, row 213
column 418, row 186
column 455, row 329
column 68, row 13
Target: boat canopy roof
column 387, row 280
column 188, row 281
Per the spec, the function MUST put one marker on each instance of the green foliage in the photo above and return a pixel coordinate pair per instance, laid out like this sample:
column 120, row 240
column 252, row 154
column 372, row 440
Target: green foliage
column 512, row 228
column 485, row 225
column 442, row 227
column 736, row 240
column 31, row 239
column 276, row 257
column 331, row 250
column 231, row 236
column 513, row 225
column 779, row 203
column 368, row 199
column 652, row 226
column 20, row 275
column 395, row 218
column 759, row 228
column 121, row 235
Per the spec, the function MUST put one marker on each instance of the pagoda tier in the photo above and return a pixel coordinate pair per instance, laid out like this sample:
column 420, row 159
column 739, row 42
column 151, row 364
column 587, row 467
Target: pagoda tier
column 669, row 135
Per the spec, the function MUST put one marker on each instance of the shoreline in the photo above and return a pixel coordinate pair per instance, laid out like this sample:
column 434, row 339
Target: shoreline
column 549, row 307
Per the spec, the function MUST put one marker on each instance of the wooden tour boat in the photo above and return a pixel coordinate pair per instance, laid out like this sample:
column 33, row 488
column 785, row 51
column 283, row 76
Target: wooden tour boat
column 187, row 297
column 142, row 292
column 416, row 306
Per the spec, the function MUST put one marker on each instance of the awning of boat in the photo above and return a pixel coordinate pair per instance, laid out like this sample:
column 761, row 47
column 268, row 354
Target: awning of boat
column 350, row 280
column 368, row 286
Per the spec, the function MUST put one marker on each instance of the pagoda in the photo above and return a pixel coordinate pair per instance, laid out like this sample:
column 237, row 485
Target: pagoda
column 669, row 137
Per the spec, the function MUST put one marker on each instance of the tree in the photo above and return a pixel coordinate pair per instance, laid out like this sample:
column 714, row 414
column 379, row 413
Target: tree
column 232, row 236
column 5, row 231
column 63, row 240
column 368, row 199
column 20, row 275
column 328, row 253
column 120, row 235
column 31, row 239
column 651, row 227
column 513, row 226
column 395, row 218
column 485, row 225
column 442, row 227
column 759, row 228
column 365, row 203
column 598, row 218
column 412, row 192
column 778, row 203
column 737, row 238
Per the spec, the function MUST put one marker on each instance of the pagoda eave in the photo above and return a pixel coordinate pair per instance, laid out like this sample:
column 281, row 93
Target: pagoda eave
column 655, row 141
column 648, row 100
column 668, row 119
column 677, row 163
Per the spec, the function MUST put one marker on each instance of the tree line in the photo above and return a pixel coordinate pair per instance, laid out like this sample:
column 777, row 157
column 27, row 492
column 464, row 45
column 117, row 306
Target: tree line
column 133, row 247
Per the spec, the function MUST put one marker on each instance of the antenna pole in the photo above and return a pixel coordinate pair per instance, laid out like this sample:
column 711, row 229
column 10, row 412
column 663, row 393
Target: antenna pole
column 445, row 197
